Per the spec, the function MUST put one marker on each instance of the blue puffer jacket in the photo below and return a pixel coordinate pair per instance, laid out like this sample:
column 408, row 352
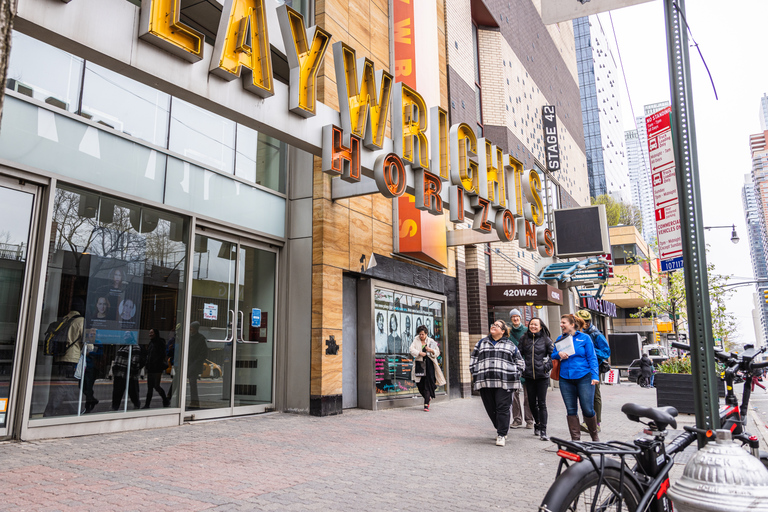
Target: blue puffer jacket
column 582, row 362
column 602, row 350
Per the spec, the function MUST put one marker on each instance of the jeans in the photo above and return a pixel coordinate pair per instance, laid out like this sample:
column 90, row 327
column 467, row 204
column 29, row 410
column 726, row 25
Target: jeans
column 497, row 402
column 577, row 392
column 536, row 390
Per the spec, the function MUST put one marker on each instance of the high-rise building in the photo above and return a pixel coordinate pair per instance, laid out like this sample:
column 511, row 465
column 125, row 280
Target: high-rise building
column 639, row 166
column 764, row 112
column 599, row 89
column 755, row 232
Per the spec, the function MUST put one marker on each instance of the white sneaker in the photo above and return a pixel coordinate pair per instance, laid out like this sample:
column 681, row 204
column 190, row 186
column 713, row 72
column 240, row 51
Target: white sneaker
column 501, row 441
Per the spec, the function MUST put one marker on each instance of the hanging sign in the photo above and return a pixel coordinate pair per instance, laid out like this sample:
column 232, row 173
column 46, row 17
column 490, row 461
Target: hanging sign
column 664, row 184
column 210, row 311
column 255, row 317
column 551, row 143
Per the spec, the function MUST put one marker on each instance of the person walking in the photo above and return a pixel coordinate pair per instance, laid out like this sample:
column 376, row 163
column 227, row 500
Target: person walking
column 520, row 403
column 496, row 365
column 603, row 352
column 426, row 372
column 646, row 370
column 156, row 365
column 536, row 348
column 578, row 375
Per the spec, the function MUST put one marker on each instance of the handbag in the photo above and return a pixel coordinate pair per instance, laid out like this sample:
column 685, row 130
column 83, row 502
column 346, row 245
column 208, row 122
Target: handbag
column 80, row 368
column 604, row 367
column 419, row 370
column 555, row 373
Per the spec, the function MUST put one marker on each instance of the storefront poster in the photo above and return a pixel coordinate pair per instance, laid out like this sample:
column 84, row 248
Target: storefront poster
column 113, row 304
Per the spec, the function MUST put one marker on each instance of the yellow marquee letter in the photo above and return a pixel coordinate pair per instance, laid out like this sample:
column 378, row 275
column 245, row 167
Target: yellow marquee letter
column 464, row 158
column 242, row 41
column 409, row 126
column 159, row 25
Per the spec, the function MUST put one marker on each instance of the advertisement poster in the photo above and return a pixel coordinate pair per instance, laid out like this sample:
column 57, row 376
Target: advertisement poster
column 397, row 316
column 113, row 304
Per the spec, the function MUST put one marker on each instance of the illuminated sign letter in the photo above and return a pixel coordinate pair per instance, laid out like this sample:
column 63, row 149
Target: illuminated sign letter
column 532, row 186
column 505, row 225
column 364, row 113
column 516, row 168
column 243, row 42
column 546, row 243
column 428, row 187
column 527, row 238
column 389, row 173
column 456, row 202
column 480, row 222
column 409, row 126
column 464, row 170
column 340, row 160
column 159, row 25
column 441, row 156
column 305, row 49
column 491, row 164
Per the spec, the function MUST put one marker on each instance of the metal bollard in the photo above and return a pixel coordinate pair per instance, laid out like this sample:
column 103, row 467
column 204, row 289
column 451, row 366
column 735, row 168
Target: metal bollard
column 721, row 477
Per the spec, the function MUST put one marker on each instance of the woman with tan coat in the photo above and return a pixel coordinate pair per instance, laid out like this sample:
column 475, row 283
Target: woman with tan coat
column 426, row 370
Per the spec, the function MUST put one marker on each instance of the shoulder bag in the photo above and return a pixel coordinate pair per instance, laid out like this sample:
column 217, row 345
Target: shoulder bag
column 555, row 373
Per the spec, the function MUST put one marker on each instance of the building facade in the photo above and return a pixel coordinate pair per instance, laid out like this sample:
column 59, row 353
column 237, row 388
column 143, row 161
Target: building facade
column 600, row 91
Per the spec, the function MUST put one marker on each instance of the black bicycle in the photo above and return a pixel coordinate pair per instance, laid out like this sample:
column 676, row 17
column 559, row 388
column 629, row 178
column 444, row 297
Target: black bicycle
column 608, row 476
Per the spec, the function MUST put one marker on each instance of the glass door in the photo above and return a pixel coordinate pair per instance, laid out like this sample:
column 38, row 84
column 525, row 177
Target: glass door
column 17, row 213
column 231, row 328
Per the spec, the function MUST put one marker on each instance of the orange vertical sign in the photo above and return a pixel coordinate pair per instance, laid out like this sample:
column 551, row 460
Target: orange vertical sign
column 421, row 234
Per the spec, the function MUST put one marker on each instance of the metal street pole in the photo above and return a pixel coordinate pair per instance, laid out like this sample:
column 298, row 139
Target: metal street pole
column 691, row 226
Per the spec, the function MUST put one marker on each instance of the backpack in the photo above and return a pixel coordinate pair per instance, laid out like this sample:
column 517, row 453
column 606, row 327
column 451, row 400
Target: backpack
column 57, row 337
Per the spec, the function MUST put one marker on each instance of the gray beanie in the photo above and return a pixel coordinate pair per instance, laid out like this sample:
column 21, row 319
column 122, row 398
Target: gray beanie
column 515, row 312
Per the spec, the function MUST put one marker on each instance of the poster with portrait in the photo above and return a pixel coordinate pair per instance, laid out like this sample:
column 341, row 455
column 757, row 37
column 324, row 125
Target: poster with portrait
column 113, row 303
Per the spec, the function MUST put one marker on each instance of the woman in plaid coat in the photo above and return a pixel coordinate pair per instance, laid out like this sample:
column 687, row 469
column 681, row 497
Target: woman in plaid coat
column 496, row 366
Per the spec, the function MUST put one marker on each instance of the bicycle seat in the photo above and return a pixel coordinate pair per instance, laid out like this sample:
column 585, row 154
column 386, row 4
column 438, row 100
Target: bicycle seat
column 661, row 416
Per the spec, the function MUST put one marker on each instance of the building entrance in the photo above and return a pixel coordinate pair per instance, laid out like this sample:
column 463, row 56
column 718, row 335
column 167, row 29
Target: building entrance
column 230, row 359
column 17, row 213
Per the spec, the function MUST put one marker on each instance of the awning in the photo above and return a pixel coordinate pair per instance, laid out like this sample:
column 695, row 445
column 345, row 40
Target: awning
column 523, row 295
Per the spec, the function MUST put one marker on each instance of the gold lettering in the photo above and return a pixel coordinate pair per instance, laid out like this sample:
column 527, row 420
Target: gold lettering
column 409, row 126
column 243, row 42
column 464, row 167
column 159, row 24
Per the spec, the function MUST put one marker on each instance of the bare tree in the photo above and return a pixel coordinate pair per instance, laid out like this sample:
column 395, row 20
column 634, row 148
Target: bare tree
column 7, row 13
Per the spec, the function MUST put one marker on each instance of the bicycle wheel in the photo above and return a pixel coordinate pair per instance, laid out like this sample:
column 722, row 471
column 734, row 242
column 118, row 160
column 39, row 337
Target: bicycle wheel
column 579, row 496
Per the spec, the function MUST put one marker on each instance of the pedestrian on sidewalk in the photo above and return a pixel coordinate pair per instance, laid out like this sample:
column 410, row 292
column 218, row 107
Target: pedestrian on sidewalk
column 536, row 348
column 520, row 401
column 646, row 370
column 603, row 352
column 156, row 365
column 426, row 370
column 578, row 376
column 496, row 365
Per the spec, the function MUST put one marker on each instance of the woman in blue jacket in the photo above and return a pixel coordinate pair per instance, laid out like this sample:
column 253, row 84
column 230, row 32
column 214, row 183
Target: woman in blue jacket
column 578, row 376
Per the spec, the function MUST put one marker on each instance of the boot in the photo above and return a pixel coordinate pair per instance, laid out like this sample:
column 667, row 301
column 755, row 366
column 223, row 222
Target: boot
column 573, row 427
column 592, row 425
column 543, row 434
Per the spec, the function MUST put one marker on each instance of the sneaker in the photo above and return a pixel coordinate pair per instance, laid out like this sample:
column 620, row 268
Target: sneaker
column 530, row 425
column 543, row 435
column 426, row 407
column 515, row 425
column 584, row 428
column 501, row 440
column 536, row 430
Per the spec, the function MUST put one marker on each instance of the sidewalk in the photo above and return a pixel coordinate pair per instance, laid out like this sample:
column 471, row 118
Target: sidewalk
column 397, row 459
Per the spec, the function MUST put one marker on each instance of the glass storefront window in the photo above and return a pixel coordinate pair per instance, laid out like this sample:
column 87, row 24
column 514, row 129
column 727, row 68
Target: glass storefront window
column 202, row 136
column 115, row 287
column 397, row 316
column 125, row 105
column 43, row 72
column 260, row 159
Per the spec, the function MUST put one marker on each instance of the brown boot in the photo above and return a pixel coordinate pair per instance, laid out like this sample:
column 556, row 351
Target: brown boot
column 573, row 428
column 592, row 426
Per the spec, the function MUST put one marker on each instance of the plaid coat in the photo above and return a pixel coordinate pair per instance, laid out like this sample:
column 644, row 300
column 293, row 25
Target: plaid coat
column 496, row 366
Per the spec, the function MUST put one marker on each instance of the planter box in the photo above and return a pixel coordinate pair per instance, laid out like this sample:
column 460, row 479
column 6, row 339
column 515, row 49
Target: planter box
column 676, row 390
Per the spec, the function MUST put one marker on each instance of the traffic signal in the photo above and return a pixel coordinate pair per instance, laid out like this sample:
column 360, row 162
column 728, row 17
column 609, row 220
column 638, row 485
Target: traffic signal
column 658, row 337
column 765, row 296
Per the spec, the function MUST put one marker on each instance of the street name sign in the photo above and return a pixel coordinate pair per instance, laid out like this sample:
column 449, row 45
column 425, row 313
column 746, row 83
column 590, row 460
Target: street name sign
column 667, row 208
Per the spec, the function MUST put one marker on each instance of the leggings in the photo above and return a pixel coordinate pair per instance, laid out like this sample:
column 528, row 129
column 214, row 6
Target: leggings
column 537, row 398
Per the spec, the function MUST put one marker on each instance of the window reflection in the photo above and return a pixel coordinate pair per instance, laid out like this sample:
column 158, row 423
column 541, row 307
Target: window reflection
column 43, row 72
column 125, row 105
column 202, row 136
column 260, row 159
column 114, row 290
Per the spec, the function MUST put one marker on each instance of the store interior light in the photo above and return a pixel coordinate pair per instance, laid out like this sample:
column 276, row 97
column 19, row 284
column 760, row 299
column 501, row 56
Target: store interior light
column 529, row 303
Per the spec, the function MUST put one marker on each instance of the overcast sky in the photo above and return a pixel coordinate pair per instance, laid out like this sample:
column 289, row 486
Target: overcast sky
column 732, row 37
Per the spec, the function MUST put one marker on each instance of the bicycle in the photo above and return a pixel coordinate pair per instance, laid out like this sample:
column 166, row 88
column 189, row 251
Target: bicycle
column 597, row 476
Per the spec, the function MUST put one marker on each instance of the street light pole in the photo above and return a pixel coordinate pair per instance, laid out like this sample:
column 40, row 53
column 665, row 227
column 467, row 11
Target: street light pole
column 691, row 228
column 734, row 237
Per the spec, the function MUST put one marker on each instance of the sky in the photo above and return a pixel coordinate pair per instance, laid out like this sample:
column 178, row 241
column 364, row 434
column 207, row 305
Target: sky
column 732, row 38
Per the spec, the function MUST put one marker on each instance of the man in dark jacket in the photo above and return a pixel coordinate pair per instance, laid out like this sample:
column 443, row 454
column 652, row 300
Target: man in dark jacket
column 520, row 397
column 603, row 352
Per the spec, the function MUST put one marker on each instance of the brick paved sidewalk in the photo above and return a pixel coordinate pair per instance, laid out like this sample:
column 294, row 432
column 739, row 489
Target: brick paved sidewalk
column 399, row 459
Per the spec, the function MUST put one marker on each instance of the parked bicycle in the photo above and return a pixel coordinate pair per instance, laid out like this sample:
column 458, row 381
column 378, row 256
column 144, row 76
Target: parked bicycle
column 608, row 476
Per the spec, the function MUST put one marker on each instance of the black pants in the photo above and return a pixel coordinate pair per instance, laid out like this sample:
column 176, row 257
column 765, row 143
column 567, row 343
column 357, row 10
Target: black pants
column 64, row 393
column 497, row 402
column 118, row 390
column 426, row 384
column 153, row 383
column 537, row 397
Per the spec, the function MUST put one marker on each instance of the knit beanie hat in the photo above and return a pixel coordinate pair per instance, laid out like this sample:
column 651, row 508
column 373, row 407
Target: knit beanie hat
column 515, row 312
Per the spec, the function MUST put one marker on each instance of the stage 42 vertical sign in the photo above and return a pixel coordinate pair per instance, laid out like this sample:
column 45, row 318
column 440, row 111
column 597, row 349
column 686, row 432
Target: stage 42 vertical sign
column 664, row 184
column 551, row 142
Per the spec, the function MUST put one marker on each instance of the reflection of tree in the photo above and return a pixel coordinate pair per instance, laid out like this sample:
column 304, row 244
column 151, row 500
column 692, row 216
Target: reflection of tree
column 73, row 231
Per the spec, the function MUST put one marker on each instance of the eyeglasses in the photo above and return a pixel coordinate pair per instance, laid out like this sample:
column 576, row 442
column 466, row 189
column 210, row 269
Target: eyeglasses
column 498, row 326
